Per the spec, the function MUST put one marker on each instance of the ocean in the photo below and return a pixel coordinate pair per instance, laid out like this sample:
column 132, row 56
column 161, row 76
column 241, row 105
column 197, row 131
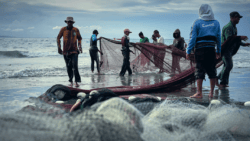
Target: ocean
column 29, row 66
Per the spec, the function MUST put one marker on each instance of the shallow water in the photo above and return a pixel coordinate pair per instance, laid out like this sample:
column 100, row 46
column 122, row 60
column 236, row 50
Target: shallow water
column 30, row 76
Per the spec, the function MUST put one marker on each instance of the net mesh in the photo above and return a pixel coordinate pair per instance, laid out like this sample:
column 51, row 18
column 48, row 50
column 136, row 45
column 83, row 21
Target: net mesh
column 118, row 118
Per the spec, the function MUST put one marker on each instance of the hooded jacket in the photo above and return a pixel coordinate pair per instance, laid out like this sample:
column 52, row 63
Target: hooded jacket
column 205, row 26
column 178, row 42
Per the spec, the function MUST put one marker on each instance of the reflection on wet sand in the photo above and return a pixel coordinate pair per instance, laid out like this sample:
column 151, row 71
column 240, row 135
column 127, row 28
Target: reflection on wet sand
column 222, row 94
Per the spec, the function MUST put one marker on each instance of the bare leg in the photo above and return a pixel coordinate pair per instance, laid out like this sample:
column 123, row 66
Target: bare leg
column 212, row 84
column 216, row 82
column 71, row 84
column 199, row 89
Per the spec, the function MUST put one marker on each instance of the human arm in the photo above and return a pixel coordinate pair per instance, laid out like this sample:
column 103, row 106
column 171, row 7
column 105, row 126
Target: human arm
column 246, row 44
column 59, row 36
column 244, row 38
column 100, row 52
column 192, row 40
column 79, row 37
column 218, row 37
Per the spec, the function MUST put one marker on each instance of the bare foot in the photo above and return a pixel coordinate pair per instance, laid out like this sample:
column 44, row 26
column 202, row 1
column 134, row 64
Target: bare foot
column 211, row 95
column 77, row 85
column 197, row 95
column 71, row 84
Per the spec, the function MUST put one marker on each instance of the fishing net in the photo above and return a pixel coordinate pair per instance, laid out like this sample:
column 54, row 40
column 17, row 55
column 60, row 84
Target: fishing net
column 125, row 120
column 114, row 115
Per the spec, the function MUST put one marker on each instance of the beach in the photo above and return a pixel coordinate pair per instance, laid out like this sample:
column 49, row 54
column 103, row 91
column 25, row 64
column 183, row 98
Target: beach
column 30, row 66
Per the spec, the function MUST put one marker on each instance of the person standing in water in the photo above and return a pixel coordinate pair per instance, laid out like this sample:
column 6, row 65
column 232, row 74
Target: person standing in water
column 143, row 39
column 205, row 35
column 125, row 52
column 179, row 44
column 70, row 51
column 93, row 51
column 161, row 53
column 228, row 31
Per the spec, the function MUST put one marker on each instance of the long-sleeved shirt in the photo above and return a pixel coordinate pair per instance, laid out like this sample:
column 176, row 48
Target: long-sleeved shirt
column 229, row 30
column 70, row 37
column 203, row 28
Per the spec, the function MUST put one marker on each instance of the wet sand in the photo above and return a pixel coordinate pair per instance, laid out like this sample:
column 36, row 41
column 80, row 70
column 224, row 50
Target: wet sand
column 17, row 90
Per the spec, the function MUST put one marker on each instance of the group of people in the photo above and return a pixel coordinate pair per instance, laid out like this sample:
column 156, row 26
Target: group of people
column 205, row 37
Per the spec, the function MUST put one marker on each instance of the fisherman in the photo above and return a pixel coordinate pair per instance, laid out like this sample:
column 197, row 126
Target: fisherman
column 178, row 40
column 229, row 30
column 143, row 39
column 154, row 39
column 125, row 52
column 160, row 38
column 179, row 44
column 93, row 51
column 159, row 59
column 70, row 51
column 205, row 35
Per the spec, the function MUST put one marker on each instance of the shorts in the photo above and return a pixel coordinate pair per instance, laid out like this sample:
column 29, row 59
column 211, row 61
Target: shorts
column 205, row 62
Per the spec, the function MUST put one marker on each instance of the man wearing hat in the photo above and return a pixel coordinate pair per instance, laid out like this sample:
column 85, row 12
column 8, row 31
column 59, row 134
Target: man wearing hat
column 229, row 30
column 71, row 36
column 125, row 53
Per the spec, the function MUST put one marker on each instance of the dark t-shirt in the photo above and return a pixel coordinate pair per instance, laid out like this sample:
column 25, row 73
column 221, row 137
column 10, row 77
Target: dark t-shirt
column 179, row 43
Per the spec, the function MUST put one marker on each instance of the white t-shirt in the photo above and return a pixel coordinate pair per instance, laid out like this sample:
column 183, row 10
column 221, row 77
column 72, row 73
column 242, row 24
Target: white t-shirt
column 160, row 40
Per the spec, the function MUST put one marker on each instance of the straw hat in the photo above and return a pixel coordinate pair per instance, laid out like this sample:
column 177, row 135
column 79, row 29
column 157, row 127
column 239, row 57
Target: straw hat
column 69, row 19
column 127, row 30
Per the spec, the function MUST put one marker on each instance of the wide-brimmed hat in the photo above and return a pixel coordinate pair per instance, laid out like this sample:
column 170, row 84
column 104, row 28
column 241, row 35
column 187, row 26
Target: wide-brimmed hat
column 127, row 30
column 235, row 14
column 69, row 19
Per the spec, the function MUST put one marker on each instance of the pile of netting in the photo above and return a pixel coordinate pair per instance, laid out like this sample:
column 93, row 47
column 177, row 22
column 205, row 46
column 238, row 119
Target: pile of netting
column 148, row 57
column 107, row 116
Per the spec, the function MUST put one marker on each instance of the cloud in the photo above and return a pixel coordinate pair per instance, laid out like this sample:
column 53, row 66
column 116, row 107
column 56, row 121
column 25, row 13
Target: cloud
column 89, row 29
column 139, row 6
column 31, row 27
column 7, row 29
column 17, row 30
column 57, row 27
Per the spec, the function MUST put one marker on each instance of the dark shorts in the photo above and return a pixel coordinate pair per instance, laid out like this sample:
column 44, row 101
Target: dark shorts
column 205, row 63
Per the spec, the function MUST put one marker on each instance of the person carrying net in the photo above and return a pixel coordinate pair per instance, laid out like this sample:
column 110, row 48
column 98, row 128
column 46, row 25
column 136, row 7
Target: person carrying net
column 93, row 51
column 125, row 52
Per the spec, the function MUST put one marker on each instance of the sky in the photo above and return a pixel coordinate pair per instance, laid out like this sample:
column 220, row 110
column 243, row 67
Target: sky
column 45, row 18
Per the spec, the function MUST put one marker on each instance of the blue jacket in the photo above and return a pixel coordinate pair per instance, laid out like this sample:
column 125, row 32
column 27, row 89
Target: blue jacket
column 202, row 28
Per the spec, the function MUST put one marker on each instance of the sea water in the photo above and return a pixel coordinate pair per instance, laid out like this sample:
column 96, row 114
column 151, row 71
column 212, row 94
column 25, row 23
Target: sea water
column 29, row 66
